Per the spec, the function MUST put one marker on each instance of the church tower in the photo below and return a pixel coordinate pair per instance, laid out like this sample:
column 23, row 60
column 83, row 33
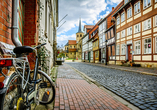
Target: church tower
column 79, row 34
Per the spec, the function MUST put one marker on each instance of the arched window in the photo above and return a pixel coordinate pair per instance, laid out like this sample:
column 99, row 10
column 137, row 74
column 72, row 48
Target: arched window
column 80, row 35
column 77, row 35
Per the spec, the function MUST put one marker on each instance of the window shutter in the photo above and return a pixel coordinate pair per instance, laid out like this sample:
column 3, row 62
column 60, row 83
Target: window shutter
column 113, row 50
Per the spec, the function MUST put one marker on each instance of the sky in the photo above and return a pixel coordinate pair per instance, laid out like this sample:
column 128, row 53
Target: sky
column 90, row 11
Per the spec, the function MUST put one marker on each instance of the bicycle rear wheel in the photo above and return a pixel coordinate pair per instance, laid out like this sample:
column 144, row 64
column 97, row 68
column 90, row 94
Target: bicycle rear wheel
column 45, row 88
column 8, row 100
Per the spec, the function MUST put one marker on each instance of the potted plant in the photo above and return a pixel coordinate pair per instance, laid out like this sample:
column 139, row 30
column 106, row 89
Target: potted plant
column 131, row 63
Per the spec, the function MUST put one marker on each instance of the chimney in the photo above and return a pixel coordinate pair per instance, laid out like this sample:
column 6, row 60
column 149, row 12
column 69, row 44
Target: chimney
column 112, row 8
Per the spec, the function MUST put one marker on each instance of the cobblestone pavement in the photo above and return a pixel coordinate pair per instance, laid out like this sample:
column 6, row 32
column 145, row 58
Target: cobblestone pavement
column 74, row 93
column 138, row 89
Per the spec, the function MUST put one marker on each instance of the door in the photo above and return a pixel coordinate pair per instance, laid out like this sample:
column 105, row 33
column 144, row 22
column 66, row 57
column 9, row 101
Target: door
column 130, row 52
column 89, row 56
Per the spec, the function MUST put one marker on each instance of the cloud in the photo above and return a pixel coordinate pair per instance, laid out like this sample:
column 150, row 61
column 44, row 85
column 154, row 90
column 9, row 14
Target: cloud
column 88, row 10
column 63, row 39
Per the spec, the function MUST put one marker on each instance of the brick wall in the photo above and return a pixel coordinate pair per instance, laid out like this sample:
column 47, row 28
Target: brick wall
column 30, row 25
column 5, row 21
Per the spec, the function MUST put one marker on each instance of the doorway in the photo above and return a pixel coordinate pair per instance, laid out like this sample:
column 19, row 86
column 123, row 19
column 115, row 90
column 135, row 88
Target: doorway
column 129, row 52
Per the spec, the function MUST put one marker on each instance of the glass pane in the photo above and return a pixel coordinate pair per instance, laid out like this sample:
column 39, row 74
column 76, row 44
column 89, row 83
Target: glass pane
column 149, row 40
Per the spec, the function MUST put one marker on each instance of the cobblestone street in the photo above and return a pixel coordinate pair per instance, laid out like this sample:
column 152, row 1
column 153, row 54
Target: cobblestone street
column 138, row 89
column 74, row 93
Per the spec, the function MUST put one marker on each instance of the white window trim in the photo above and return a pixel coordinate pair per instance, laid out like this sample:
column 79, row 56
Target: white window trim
column 123, row 33
column 118, row 50
column 118, row 20
column 145, row 24
column 146, row 4
column 123, row 51
column 136, row 45
column 147, row 48
column 130, row 12
column 118, row 35
column 122, row 20
column 155, row 44
column 129, row 31
column 138, row 26
column 155, row 19
column 138, row 10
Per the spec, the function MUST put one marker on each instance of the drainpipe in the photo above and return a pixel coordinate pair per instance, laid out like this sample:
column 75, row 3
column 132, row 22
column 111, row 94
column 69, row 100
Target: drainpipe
column 14, row 36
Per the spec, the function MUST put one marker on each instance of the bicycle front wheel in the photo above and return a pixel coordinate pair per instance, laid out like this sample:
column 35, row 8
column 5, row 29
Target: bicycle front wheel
column 45, row 88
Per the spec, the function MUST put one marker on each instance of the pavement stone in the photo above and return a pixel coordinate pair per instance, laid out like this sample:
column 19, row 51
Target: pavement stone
column 74, row 93
column 138, row 86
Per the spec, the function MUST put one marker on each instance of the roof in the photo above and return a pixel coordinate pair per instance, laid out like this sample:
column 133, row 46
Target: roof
column 72, row 42
column 88, row 26
column 80, row 29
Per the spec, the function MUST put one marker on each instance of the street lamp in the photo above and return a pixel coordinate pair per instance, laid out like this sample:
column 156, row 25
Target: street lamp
column 106, row 52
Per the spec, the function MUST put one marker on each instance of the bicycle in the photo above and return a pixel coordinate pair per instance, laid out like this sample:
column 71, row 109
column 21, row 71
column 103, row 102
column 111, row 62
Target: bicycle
column 23, row 89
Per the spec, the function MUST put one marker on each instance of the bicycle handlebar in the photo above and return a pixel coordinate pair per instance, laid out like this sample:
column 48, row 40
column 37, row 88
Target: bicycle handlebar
column 39, row 46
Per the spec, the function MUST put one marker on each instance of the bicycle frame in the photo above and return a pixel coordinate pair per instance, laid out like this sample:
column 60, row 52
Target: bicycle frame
column 22, row 63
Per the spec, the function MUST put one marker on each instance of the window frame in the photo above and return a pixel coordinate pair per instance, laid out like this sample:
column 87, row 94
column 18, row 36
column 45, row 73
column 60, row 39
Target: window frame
column 130, row 12
column 118, row 20
column 123, row 33
column 129, row 31
column 138, row 8
column 145, row 24
column 118, row 35
column 123, row 17
column 145, row 7
column 147, row 51
column 117, row 49
column 138, row 28
column 123, row 49
column 138, row 50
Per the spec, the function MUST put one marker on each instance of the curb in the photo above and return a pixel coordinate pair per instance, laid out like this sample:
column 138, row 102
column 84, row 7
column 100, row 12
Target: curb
column 141, row 72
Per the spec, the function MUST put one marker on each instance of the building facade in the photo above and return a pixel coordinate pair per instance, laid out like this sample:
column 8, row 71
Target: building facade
column 85, row 43
column 136, row 32
column 72, row 49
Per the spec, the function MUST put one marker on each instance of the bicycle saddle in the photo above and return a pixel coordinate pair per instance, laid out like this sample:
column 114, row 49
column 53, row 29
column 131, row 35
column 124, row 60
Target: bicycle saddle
column 23, row 49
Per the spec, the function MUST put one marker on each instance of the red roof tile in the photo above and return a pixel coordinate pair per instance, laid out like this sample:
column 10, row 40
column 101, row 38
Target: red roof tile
column 72, row 42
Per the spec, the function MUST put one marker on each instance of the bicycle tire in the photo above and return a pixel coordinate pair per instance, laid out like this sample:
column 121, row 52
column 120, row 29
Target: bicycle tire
column 49, row 88
column 13, row 92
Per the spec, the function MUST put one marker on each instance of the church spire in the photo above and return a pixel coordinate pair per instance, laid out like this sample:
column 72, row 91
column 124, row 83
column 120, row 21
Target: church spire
column 80, row 29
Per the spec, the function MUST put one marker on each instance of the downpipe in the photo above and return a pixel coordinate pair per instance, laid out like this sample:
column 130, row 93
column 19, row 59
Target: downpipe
column 14, row 34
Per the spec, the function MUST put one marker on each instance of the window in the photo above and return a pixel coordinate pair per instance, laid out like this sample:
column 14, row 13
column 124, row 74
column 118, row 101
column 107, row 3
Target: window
column 122, row 33
column 108, row 34
column 118, row 20
column 147, row 45
column 77, row 35
column 129, row 31
column 118, row 35
column 156, row 20
column 137, row 28
column 112, row 33
column 122, row 17
column 156, row 45
column 103, row 37
column 147, row 24
column 80, row 35
column 146, row 3
column 137, row 47
column 117, row 50
column 123, row 49
column 137, row 7
column 129, row 12
column 74, row 46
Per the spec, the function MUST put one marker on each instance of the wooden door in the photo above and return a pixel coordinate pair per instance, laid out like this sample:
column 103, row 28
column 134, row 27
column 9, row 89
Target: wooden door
column 130, row 52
